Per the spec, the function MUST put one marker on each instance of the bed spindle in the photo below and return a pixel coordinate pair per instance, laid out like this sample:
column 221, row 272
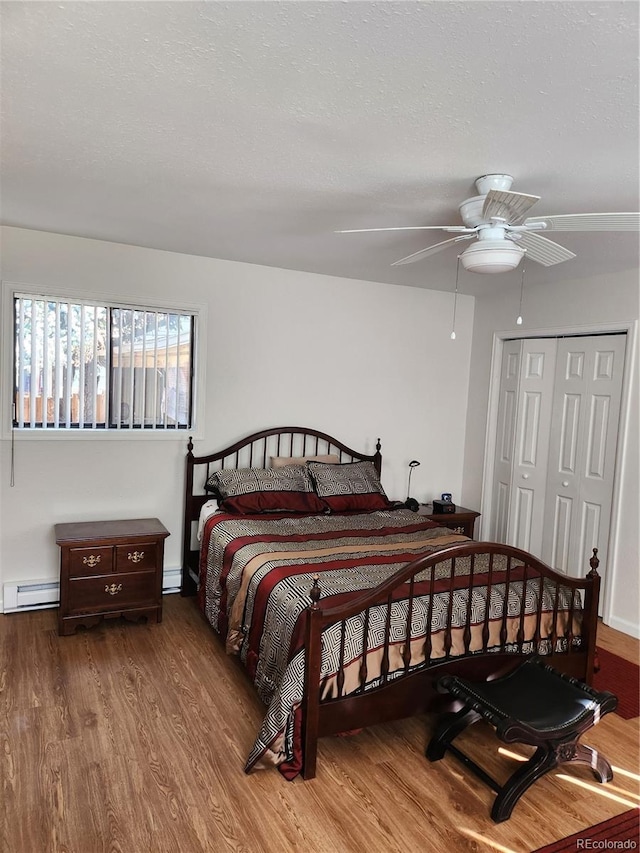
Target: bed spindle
column 362, row 675
column 537, row 636
column 466, row 634
column 384, row 667
column 505, row 605
column 340, row 676
column 554, row 622
column 487, row 606
column 448, row 640
column 428, row 642
column 569, row 632
column 406, row 652
column 523, row 600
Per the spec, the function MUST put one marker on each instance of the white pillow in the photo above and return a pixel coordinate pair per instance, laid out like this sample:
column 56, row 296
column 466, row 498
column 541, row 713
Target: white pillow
column 281, row 461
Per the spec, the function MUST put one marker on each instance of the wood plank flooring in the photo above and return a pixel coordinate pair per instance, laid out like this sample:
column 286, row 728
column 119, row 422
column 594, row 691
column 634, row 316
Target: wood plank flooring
column 132, row 738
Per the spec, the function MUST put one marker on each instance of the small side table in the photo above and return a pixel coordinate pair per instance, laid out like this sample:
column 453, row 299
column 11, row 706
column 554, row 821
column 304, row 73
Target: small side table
column 462, row 520
column 110, row 569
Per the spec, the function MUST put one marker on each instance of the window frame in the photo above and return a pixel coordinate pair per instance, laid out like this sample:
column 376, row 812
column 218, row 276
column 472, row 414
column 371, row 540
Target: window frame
column 7, row 379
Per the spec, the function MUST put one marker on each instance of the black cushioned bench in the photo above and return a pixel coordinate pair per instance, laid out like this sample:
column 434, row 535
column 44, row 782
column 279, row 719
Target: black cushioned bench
column 533, row 704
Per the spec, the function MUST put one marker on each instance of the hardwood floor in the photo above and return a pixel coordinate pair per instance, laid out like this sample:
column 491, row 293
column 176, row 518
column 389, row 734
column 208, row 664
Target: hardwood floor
column 132, row 738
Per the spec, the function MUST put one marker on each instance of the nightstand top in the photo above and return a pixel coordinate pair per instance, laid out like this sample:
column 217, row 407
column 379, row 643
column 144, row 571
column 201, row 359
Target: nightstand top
column 77, row 531
column 427, row 509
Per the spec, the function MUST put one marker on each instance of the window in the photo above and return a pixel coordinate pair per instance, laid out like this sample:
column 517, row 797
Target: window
column 85, row 365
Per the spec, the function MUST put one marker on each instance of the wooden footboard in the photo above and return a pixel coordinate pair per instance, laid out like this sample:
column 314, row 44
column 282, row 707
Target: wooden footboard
column 471, row 609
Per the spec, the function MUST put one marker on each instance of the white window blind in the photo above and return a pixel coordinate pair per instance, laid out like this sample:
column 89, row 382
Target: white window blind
column 82, row 365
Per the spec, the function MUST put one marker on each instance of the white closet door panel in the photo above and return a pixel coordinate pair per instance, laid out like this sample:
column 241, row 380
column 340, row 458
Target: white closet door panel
column 506, row 433
column 523, row 517
column 528, row 445
column 562, row 533
column 533, row 419
column 569, row 427
column 605, row 365
column 597, row 437
column 501, row 516
column 574, row 364
column 512, row 355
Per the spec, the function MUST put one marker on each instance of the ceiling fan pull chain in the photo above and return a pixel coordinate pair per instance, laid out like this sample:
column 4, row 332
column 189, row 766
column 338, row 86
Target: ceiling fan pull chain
column 519, row 320
column 455, row 302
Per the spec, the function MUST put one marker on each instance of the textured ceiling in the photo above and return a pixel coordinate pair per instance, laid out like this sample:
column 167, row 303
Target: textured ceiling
column 250, row 131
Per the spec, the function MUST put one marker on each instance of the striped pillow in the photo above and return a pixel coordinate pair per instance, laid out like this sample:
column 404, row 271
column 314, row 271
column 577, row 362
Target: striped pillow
column 255, row 490
column 352, row 487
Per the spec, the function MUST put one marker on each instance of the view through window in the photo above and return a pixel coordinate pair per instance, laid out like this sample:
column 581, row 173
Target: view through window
column 82, row 365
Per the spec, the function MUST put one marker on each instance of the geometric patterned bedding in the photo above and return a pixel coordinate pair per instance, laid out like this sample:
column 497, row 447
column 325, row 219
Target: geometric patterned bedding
column 255, row 576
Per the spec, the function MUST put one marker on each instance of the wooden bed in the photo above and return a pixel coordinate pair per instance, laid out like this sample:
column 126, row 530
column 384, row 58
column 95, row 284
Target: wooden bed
column 539, row 610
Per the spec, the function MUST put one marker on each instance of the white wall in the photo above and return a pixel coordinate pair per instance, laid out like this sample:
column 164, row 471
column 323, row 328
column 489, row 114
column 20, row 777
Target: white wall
column 358, row 360
column 612, row 300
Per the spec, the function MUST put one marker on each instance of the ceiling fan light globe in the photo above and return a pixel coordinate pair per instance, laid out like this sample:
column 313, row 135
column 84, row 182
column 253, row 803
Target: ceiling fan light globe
column 491, row 256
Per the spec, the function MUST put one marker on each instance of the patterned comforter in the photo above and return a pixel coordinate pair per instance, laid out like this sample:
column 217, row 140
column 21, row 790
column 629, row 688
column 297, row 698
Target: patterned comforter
column 255, row 577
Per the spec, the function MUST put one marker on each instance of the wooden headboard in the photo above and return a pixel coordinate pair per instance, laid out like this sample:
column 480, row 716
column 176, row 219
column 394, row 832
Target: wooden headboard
column 254, row 451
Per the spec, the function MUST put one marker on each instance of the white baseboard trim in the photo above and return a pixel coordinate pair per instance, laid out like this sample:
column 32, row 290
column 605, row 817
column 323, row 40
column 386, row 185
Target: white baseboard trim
column 171, row 580
column 626, row 627
column 39, row 594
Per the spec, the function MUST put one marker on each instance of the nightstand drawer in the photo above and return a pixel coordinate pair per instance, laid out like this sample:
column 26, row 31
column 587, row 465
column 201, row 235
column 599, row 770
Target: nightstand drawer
column 90, row 561
column 112, row 592
column 141, row 557
column 464, row 529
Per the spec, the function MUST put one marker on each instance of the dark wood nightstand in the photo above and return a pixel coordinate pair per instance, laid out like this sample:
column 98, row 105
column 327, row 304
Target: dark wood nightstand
column 109, row 569
column 462, row 520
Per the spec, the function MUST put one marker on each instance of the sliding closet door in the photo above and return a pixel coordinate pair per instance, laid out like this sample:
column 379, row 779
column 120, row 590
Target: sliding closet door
column 584, row 431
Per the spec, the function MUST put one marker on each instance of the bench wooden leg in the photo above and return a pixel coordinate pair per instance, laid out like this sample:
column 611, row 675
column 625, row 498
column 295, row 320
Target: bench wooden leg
column 540, row 763
column 597, row 762
column 448, row 729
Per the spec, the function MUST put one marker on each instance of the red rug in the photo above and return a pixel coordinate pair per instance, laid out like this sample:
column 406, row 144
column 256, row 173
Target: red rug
column 608, row 835
column 621, row 677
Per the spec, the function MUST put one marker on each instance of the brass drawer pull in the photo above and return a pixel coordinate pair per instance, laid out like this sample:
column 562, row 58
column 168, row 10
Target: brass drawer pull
column 136, row 556
column 113, row 589
column 91, row 561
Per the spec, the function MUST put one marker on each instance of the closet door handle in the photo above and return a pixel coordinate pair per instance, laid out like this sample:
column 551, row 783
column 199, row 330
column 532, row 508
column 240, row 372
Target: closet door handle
column 565, row 483
column 525, row 476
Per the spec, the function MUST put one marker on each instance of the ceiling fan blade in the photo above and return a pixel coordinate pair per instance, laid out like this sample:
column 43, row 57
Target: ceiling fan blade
column 541, row 249
column 587, row 222
column 430, row 250
column 462, row 228
column 506, row 205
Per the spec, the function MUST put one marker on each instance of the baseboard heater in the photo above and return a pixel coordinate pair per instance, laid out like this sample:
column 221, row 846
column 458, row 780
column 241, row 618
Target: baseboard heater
column 39, row 594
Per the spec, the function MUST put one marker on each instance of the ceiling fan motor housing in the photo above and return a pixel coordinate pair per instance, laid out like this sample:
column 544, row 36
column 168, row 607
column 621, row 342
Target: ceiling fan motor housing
column 471, row 211
column 493, row 182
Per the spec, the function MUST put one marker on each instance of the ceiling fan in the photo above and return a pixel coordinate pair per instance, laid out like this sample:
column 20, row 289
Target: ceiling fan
column 495, row 219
